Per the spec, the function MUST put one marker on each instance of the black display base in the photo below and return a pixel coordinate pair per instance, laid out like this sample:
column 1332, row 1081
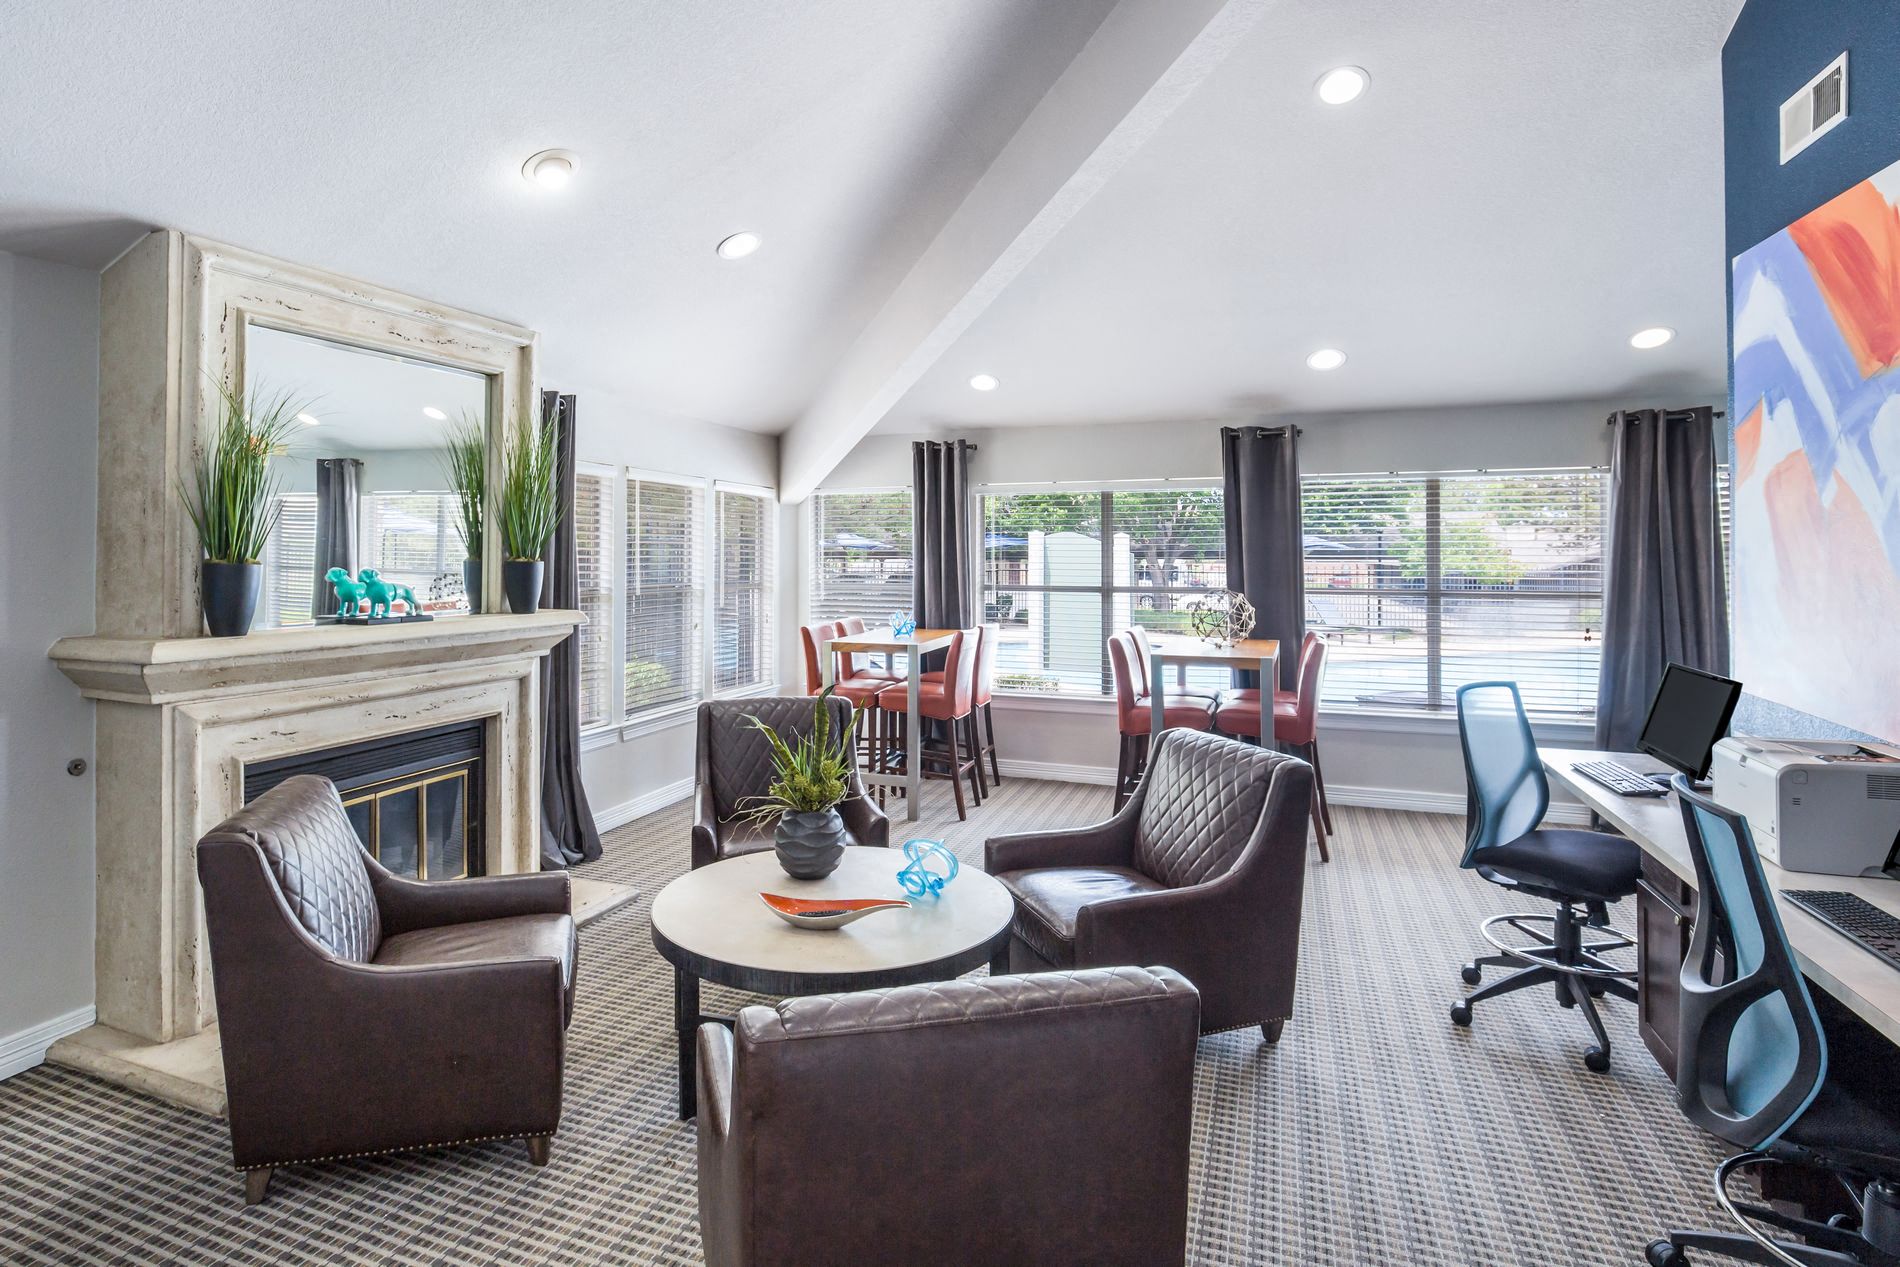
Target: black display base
column 373, row 620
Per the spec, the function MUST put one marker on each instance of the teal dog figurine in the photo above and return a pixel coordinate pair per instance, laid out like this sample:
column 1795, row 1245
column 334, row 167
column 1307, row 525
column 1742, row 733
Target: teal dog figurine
column 382, row 593
column 349, row 591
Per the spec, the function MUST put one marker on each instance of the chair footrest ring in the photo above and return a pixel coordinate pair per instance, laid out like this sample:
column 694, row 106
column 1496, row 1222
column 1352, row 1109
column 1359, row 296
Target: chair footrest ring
column 1543, row 955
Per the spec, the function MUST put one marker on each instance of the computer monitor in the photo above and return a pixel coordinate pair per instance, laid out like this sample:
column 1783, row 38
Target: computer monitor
column 1690, row 712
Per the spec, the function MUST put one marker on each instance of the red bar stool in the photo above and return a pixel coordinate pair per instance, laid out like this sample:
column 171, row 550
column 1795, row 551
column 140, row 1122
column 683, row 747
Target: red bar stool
column 1295, row 724
column 1134, row 717
column 950, row 699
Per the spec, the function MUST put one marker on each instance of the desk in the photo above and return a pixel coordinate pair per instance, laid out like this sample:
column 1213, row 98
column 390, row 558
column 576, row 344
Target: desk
column 1261, row 655
column 914, row 645
column 1832, row 962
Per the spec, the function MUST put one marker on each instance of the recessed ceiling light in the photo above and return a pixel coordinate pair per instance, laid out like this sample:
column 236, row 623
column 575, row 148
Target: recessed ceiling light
column 985, row 382
column 1654, row 337
column 1326, row 359
column 430, row 411
column 550, row 169
column 308, row 421
column 739, row 245
column 1341, row 85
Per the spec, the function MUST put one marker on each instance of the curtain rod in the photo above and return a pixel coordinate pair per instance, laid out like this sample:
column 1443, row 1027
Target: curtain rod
column 1672, row 413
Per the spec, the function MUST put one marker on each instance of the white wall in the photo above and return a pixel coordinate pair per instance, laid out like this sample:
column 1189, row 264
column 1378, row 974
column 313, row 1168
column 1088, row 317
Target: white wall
column 638, row 774
column 1412, row 761
column 49, row 427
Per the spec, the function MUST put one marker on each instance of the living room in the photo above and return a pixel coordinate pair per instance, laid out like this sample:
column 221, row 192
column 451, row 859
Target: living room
column 440, row 448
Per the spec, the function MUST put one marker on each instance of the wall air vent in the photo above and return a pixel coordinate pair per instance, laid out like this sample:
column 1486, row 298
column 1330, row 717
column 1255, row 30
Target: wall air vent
column 1815, row 110
column 1883, row 787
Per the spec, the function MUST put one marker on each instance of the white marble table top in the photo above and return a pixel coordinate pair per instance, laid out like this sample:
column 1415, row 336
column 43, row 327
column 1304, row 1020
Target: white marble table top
column 715, row 913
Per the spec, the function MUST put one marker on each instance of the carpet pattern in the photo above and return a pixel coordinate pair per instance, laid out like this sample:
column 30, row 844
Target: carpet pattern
column 1374, row 1132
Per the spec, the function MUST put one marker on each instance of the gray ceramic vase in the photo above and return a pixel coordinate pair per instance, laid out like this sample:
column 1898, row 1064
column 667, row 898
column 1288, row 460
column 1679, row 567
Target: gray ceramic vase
column 810, row 846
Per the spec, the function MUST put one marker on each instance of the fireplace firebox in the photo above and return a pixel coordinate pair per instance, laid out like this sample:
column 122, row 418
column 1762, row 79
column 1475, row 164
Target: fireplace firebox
column 415, row 799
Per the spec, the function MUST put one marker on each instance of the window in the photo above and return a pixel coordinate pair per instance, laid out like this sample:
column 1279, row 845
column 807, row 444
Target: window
column 593, row 535
column 415, row 538
column 1063, row 570
column 663, row 595
column 290, row 563
column 1424, row 583
column 861, row 561
column 742, row 590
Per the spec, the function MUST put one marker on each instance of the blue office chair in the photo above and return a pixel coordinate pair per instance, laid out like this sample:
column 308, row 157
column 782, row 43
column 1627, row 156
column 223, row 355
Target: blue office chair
column 1757, row 1071
column 1581, row 871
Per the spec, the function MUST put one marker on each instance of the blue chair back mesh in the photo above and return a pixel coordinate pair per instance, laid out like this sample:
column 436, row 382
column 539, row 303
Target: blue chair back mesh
column 1776, row 1054
column 1506, row 793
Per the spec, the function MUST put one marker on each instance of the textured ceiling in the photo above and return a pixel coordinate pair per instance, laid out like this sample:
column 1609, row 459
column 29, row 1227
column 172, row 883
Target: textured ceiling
column 1526, row 183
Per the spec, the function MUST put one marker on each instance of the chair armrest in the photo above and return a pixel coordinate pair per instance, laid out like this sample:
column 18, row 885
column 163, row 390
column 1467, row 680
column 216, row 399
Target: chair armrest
column 868, row 824
column 1109, row 844
column 721, row 1201
column 406, row 905
column 705, row 826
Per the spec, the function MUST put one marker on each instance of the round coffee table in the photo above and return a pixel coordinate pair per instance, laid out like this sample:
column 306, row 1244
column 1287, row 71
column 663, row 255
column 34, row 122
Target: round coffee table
column 711, row 926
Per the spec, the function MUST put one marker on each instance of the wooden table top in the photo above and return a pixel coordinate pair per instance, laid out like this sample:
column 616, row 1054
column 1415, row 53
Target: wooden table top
column 1246, row 654
column 884, row 640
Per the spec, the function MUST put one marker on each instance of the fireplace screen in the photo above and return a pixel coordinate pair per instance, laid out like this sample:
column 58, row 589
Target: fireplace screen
column 415, row 799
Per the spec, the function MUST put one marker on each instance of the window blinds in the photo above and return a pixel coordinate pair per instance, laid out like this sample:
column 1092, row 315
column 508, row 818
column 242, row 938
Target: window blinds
column 742, row 590
column 663, row 595
column 414, row 538
column 593, row 530
column 292, row 563
column 861, row 555
column 1425, row 583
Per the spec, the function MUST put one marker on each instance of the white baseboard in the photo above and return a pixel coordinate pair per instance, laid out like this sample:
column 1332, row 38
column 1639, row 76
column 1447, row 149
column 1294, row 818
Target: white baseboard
column 640, row 806
column 1418, row 802
column 26, row 1049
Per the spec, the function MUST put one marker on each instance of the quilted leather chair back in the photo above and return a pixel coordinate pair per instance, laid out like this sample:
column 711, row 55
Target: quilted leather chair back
column 740, row 758
column 1203, row 797
column 315, row 858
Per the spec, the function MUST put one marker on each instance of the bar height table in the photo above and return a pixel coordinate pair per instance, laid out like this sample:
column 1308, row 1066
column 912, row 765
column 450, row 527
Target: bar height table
column 914, row 646
column 1261, row 654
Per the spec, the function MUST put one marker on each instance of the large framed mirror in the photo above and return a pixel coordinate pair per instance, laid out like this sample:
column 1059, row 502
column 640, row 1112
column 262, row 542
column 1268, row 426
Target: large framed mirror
column 384, row 471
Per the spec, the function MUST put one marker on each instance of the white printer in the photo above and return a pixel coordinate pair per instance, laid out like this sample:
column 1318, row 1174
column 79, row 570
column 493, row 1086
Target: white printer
column 1827, row 807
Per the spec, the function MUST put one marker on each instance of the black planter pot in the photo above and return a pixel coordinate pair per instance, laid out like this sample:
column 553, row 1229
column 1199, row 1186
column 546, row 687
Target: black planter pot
column 521, row 582
column 230, row 593
column 472, row 584
column 810, row 846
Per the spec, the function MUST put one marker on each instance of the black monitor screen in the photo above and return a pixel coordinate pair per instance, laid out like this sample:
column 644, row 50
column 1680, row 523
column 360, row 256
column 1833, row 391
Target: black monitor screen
column 1691, row 711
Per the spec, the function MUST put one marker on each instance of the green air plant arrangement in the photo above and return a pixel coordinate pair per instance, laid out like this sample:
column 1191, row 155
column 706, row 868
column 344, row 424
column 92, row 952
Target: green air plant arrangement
column 530, row 509
column 811, row 778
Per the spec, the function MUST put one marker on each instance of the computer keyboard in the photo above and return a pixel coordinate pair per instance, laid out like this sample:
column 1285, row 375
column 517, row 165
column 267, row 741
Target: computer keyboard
column 1619, row 778
column 1854, row 917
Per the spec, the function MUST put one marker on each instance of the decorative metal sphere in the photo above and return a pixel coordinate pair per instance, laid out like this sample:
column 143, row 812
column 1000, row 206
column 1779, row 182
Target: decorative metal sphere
column 1222, row 617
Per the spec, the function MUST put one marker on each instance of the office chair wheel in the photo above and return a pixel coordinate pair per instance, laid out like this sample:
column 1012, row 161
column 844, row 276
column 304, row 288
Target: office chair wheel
column 1461, row 1014
column 1471, row 973
column 1596, row 1060
column 1663, row 1254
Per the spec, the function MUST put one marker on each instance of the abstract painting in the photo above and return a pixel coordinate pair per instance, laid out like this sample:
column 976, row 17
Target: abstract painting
column 1816, row 475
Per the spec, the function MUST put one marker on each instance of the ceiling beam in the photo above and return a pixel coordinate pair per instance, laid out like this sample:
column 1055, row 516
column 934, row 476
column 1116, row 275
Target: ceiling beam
column 1141, row 63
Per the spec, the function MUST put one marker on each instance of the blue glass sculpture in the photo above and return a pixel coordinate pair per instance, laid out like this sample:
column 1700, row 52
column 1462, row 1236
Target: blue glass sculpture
column 917, row 878
column 903, row 625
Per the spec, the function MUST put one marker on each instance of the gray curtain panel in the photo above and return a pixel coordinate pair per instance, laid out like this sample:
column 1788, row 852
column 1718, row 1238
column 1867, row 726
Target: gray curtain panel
column 943, row 583
column 338, row 509
column 1260, row 472
column 568, row 834
column 1664, row 593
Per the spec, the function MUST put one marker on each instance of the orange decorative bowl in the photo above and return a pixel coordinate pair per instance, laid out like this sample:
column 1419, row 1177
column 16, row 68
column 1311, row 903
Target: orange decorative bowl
column 827, row 912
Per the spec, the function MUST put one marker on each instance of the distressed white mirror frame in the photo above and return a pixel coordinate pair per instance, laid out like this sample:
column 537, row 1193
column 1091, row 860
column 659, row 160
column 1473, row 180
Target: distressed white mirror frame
column 228, row 289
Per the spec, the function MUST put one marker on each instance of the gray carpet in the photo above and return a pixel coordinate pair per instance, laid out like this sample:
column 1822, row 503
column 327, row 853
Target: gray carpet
column 1375, row 1133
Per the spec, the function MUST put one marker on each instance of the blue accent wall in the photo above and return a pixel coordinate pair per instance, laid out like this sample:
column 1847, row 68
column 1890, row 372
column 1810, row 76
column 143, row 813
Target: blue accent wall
column 1776, row 46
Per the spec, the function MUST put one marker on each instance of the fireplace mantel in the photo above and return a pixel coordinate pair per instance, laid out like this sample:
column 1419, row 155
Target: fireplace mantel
column 179, row 670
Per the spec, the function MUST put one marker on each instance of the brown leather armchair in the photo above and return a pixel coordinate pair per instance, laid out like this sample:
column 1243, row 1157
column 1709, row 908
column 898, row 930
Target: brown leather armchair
column 735, row 762
column 1202, row 870
column 363, row 1013
column 1040, row 1119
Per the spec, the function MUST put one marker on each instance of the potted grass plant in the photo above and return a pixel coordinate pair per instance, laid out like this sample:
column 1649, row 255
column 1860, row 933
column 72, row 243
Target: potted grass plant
column 530, row 511
column 234, row 501
column 811, row 777
column 465, row 464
